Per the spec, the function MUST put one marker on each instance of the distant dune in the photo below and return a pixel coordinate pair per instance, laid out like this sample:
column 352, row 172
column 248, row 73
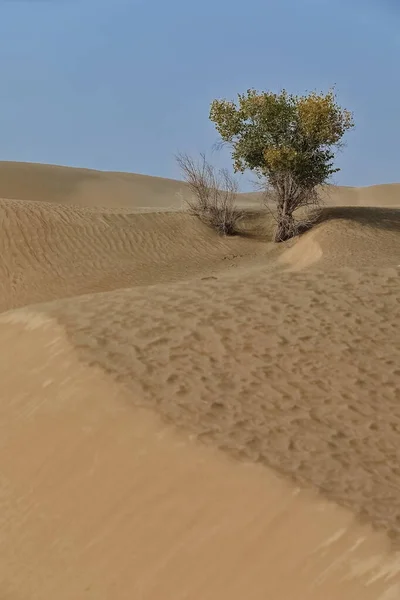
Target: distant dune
column 189, row 416
column 86, row 187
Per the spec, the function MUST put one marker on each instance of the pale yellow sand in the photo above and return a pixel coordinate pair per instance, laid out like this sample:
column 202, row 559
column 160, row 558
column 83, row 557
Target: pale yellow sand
column 89, row 188
column 139, row 426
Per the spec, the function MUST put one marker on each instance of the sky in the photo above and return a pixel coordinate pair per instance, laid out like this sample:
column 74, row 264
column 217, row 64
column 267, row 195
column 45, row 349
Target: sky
column 124, row 85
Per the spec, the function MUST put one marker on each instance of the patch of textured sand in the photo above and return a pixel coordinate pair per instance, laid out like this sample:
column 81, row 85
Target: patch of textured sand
column 100, row 500
column 53, row 251
column 348, row 237
column 298, row 372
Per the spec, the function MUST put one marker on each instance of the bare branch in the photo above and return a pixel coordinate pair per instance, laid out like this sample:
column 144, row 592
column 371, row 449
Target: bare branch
column 213, row 194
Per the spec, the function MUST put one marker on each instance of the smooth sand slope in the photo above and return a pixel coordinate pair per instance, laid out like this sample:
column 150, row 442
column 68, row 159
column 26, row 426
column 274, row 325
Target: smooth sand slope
column 214, row 418
column 89, row 188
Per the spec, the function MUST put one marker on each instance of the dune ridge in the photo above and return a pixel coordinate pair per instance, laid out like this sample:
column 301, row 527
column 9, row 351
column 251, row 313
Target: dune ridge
column 181, row 415
column 50, row 251
column 109, row 249
column 349, row 237
column 91, row 188
column 293, row 375
column 99, row 499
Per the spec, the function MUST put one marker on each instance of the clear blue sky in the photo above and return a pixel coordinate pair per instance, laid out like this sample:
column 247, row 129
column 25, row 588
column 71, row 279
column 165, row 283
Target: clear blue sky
column 125, row 84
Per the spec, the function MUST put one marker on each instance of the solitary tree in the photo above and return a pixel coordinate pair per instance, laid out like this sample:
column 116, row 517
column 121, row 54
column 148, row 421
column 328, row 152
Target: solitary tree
column 289, row 141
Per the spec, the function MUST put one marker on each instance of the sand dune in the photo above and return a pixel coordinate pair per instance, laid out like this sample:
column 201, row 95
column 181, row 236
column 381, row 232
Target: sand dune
column 375, row 195
column 299, row 374
column 349, row 237
column 186, row 416
column 51, row 251
column 99, row 499
column 87, row 187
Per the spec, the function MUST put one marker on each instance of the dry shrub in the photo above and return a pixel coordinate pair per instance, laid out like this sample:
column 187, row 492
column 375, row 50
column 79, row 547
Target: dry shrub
column 213, row 194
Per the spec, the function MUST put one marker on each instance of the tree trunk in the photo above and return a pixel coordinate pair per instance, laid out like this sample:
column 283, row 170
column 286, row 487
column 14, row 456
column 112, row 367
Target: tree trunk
column 285, row 228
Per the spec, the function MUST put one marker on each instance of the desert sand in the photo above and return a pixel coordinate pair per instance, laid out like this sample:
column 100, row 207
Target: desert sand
column 184, row 416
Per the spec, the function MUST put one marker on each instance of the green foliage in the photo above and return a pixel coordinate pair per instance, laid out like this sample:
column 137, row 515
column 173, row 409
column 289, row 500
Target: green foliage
column 275, row 134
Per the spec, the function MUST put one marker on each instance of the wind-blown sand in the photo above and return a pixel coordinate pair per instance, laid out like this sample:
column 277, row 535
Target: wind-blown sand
column 214, row 418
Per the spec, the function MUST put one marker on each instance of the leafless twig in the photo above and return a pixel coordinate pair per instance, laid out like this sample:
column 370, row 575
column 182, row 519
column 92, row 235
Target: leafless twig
column 213, row 194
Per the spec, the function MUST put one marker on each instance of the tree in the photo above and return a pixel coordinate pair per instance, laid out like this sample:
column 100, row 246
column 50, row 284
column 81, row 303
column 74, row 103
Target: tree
column 289, row 141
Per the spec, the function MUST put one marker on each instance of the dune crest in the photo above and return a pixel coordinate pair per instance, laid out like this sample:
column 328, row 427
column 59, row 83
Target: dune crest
column 360, row 237
column 298, row 373
column 101, row 499
column 91, row 188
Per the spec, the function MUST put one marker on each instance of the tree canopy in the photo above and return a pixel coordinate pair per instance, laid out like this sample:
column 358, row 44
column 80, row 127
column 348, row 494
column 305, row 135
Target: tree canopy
column 273, row 133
